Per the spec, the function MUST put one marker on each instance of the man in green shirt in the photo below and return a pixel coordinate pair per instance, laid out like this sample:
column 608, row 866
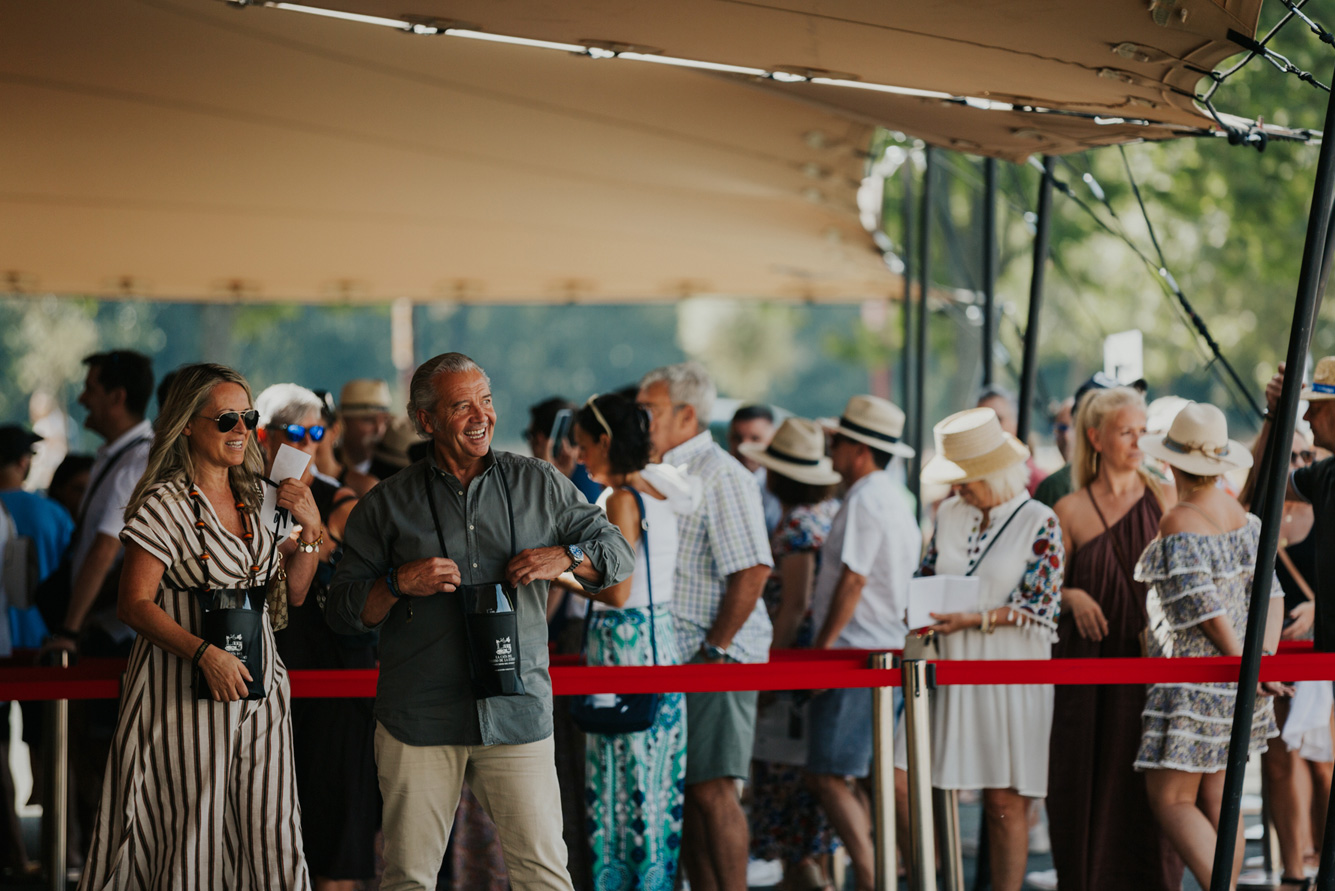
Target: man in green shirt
column 500, row 518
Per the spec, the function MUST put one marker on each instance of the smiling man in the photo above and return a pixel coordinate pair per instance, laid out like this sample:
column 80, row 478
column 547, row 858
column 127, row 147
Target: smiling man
column 416, row 548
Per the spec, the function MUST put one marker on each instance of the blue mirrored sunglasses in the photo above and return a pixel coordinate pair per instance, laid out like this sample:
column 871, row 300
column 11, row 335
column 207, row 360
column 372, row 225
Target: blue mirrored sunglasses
column 297, row 433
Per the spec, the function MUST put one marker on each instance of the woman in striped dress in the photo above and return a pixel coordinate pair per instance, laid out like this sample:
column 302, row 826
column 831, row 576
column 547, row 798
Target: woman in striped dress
column 201, row 793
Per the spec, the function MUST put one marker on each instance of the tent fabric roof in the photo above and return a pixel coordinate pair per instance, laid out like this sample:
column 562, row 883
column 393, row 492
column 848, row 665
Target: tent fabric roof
column 185, row 149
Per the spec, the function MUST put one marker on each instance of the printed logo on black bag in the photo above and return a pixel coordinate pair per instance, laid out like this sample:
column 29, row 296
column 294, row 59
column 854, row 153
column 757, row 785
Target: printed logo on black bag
column 504, row 648
column 235, row 646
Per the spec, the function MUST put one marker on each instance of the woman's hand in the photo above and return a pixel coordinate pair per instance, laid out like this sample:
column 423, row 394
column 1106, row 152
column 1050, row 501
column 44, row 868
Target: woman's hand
column 1303, row 615
column 295, row 496
column 226, row 675
column 1088, row 615
column 948, row 623
column 1273, row 688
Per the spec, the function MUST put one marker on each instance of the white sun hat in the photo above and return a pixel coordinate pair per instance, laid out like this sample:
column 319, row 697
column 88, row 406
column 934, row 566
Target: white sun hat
column 971, row 445
column 1197, row 442
column 876, row 422
column 797, row 451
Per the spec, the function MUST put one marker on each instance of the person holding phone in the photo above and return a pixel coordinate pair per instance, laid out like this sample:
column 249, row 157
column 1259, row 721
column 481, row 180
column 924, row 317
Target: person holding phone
column 469, row 521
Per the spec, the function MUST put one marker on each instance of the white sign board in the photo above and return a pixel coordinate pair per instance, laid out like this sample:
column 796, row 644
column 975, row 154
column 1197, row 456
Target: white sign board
column 1124, row 356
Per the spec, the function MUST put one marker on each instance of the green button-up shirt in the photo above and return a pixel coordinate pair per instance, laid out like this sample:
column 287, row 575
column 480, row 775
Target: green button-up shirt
column 424, row 696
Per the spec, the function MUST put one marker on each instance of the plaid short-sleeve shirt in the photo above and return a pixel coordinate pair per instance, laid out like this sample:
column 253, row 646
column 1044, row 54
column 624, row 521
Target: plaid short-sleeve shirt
column 725, row 535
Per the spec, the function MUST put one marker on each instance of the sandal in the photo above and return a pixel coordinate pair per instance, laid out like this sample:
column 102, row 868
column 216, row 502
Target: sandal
column 1303, row 884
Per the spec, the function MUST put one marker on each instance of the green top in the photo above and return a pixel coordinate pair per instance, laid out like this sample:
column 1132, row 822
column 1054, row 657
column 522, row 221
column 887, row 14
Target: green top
column 1055, row 486
column 424, row 696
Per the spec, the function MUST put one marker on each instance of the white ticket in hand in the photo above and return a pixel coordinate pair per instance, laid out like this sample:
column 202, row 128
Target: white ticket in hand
column 942, row 594
column 288, row 463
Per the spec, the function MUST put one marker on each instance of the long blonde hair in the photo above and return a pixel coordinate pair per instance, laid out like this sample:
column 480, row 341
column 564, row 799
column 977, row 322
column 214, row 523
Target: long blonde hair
column 170, row 460
column 1094, row 410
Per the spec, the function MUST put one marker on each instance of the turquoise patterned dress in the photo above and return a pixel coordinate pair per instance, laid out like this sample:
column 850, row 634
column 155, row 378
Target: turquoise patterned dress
column 636, row 781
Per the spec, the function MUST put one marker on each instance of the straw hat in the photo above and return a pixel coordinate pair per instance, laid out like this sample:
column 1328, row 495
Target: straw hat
column 399, row 438
column 876, row 422
column 971, row 445
column 797, row 451
column 364, row 396
column 1323, row 381
column 1197, row 442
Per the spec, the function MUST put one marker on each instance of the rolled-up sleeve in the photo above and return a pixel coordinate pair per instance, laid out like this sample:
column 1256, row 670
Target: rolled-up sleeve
column 586, row 525
column 367, row 545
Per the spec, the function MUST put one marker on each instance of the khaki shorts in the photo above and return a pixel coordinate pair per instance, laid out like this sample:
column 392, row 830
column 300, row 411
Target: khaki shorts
column 719, row 735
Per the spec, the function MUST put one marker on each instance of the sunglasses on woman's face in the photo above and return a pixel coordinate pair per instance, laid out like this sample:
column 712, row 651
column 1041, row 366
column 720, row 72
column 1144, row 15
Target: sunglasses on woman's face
column 297, row 433
column 227, row 420
column 1306, row 456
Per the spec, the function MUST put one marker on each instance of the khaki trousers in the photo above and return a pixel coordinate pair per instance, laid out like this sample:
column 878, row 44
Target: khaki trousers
column 516, row 785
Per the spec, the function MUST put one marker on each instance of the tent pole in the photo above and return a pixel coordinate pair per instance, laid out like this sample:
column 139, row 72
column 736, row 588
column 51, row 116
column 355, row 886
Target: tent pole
column 989, row 334
column 906, row 309
column 1282, row 424
column 917, row 420
column 1042, row 239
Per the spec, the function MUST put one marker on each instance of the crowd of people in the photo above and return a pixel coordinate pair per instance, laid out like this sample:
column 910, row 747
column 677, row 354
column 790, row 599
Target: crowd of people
column 192, row 548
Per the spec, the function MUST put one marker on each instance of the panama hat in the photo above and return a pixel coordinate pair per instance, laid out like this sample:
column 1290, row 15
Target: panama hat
column 1323, row 381
column 364, row 396
column 797, row 451
column 875, row 422
column 1197, row 442
column 971, row 445
column 399, row 438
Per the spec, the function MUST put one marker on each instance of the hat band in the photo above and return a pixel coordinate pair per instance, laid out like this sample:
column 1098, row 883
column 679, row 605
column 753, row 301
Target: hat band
column 865, row 431
column 1174, row 446
column 364, row 406
column 791, row 459
column 1323, row 388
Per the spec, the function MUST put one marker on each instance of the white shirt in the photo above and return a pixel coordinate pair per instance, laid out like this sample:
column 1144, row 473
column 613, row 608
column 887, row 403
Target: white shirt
column 874, row 535
column 684, row 494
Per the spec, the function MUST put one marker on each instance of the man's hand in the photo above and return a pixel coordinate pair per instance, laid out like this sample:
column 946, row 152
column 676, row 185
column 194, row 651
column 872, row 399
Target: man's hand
column 431, row 575
column 1303, row 615
column 1272, row 389
column 537, row 563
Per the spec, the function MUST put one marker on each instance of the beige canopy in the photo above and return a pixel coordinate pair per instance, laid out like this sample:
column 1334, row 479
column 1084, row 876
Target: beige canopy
column 189, row 149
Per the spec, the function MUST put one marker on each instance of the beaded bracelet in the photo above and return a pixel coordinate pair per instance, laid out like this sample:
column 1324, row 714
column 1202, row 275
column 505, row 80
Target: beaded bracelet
column 392, row 580
column 200, row 652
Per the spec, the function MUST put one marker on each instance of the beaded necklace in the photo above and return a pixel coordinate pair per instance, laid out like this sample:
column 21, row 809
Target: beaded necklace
column 247, row 535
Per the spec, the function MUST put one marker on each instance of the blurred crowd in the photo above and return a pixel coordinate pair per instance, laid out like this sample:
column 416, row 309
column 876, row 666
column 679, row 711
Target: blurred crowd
column 638, row 532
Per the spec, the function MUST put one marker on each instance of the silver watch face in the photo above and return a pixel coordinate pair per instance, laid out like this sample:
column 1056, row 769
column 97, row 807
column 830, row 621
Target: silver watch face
column 576, row 553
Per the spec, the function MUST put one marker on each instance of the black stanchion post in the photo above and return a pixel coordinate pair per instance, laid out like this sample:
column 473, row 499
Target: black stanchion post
column 905, row 362
column 917, row 419
column 1300, row 335
column 1042, row 240
column 989, row 333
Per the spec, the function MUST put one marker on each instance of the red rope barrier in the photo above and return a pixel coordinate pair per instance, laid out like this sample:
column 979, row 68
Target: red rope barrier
column 788, row 670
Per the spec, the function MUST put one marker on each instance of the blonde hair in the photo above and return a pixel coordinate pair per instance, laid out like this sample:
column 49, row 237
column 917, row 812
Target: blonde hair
column 1094, row 410
column 170, row 459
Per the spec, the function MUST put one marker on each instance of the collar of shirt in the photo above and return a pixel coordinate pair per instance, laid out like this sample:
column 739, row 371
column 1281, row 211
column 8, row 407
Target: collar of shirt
column 143, row 429
column 696, row 445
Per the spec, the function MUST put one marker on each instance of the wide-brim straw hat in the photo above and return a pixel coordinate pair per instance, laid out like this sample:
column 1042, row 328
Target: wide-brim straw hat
column 797, row 451
column 1197, row 442
column 1323, row 382
column 971, row 445
column 399, row 438
column 364, row 396
column 876, row 422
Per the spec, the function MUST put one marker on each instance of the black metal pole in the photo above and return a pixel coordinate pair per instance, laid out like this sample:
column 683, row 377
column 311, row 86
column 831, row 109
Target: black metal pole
column 905, row 365
column 1285, row 417
column 917, row 423
column 989, row 335
column 1042, row 240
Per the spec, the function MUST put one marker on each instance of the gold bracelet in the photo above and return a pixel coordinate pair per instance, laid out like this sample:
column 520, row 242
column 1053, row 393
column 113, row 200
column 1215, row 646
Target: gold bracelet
column 983, row 623
column 991, row 622
column 310, row 547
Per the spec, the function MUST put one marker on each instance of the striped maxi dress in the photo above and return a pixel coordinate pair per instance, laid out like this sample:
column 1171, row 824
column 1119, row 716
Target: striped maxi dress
column 198, row 794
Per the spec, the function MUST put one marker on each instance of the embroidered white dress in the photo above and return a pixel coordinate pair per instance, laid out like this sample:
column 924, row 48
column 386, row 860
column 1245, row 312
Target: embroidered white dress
column 996, row 737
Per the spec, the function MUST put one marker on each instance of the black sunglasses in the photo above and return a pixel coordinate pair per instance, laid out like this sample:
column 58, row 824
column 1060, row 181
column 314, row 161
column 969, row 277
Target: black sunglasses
column 227, row 420
column 297, row 433
column 1307, row 456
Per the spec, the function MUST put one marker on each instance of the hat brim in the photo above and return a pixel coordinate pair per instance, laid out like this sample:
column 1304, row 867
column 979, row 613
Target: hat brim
column 942, row 471
column 1311, row 395
column 1238, row 457
column 807, row 474
column 893, row 448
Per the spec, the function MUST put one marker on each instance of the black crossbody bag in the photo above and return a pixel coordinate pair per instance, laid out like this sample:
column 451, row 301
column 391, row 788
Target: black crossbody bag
column 491, row 624
column 627, row 712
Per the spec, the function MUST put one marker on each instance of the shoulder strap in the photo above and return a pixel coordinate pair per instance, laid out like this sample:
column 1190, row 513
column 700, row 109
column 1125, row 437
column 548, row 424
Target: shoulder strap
column 106, row 469
column 648, row 581
column 1014, row 514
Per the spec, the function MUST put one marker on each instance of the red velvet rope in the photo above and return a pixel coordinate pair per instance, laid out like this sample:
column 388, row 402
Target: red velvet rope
column 787, row 670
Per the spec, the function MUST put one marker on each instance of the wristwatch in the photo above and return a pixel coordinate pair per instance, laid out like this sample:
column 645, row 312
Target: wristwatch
column 576, row 556
column 713, row 651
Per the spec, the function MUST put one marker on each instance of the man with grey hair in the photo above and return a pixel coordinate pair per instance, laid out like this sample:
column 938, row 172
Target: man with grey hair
column 471, row 520
column 723, row 561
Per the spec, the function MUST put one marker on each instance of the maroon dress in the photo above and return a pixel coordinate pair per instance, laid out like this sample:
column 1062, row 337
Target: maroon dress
column 1103, row 833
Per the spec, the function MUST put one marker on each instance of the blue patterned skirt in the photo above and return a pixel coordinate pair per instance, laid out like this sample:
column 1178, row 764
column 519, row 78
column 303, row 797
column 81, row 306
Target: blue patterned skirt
column 636, row 781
